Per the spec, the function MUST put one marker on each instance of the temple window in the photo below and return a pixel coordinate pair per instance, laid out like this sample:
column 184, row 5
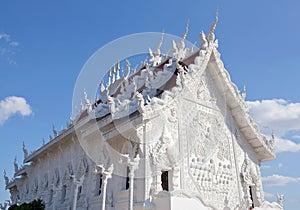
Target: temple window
column 127, row 179
column 165, row 180
column 79, row 192
column 99, row 184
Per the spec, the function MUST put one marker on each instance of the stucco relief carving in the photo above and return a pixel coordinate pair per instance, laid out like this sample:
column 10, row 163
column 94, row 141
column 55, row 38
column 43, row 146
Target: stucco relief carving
column 45, row 182
column 210, row 164
column 82, row 168
column 162, row 152
column 56, row 177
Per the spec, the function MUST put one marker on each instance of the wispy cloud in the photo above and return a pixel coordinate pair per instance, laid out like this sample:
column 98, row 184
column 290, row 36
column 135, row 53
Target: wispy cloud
column 12, row 105
column 278, row 180
column 7, row 47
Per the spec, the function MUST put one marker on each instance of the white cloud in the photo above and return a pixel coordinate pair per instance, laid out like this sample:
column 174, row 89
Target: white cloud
column 285, row 145
column 282, row 117
column 280, row 165
column 278, row 180
column 12, row 105
column 276, row 114
column 269, row 195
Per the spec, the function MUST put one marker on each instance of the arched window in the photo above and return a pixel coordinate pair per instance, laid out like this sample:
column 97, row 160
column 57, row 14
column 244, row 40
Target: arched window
column 251, row 196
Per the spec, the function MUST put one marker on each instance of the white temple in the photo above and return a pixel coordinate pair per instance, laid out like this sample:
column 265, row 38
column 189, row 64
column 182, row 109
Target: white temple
column 174, row 135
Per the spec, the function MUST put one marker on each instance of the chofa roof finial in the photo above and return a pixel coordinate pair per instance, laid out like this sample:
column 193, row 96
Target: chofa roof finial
column 214, row 25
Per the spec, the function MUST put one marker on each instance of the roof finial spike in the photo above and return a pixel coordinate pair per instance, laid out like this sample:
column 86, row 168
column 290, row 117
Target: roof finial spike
column 186, row 30
column 25, row 151
column 113, row 73
column 86, row 100
column 213, row 26
column 102, row 88
column 244, row 93
column 160, row 43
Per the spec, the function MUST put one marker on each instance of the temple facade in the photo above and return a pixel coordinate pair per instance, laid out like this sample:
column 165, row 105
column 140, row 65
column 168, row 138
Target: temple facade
column 176, row 134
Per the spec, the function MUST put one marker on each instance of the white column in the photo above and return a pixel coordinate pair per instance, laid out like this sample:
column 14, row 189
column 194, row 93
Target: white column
column 78, row 183
column 133, row 165
column 106, row 174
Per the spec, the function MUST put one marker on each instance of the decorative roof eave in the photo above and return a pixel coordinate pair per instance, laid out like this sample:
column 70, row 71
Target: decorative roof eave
column 11, row 184
column 21, row 171
column 239, row 110
column 51, row 144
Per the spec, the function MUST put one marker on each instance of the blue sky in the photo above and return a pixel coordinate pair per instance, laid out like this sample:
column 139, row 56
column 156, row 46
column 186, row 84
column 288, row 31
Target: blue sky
column 44, row 44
